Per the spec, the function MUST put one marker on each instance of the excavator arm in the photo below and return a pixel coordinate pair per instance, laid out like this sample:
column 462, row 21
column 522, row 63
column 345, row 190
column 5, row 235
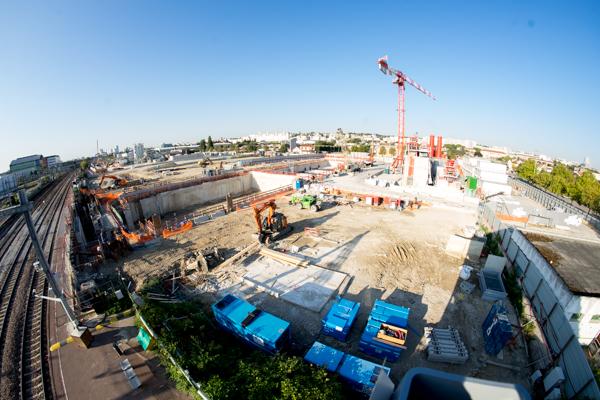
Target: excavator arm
column 258, row 209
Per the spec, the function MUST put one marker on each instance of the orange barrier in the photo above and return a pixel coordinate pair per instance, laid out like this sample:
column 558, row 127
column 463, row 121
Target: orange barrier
column 167, row 233
column 506, row 217
column 134, row 238
column 111, row 196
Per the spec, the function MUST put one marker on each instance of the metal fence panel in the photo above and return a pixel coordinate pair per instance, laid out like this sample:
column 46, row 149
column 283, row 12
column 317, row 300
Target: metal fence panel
column 546, row 296
column 578, row 371
column 521, row 261
column 506, row 238
column 561, row 326
column 512, row 251
column 531, row 280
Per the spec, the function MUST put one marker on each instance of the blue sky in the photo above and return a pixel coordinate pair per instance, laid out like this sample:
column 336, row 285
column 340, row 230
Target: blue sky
column 521, row 74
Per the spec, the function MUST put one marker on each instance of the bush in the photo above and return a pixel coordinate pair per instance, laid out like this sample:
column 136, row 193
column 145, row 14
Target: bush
column 492, row 245
column 224, row 366
column 513, row 290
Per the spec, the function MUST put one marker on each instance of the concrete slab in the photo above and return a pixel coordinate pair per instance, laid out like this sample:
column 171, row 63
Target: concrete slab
column 309, row 287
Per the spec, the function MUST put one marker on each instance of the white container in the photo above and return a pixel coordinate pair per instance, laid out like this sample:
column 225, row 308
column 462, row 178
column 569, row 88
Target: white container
column 494, row 177
column 489, row 188
column 489, row 166
column 369, row 201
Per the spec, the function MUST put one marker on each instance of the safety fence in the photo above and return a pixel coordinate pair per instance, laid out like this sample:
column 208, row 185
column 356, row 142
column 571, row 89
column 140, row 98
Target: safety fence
column 551, row 200
column 548, row 296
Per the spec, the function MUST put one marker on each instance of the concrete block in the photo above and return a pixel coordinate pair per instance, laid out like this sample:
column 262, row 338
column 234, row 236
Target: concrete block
column 201, row 219
column 495, row 264
column 217, row 214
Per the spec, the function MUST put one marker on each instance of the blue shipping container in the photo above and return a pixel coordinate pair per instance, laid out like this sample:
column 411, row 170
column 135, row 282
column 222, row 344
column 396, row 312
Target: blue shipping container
column 339, row 319
column 324, row 356
column 361, row 374
column 257, row 327
column 389, row 314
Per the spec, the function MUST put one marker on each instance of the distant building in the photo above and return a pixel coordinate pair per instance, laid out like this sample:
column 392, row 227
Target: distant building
column 586, row 162
column 271, row 137
column 293, row 144
column 493, row 152
column 27, row 167
column 463, row 142
column 52, row 161
column 138, row 151
column 307, row 148
column 8, row 183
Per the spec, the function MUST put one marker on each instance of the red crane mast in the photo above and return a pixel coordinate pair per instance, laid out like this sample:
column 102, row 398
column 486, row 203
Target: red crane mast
column 400, row 79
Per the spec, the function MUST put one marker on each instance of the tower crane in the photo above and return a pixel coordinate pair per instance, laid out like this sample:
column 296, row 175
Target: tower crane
column 400, row 79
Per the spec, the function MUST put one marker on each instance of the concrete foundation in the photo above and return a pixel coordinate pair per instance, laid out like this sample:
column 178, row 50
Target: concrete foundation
column 309, row 287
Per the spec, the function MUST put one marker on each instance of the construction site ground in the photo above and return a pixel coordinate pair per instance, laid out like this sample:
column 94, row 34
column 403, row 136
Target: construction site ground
column 169, row 171
column 395, row 256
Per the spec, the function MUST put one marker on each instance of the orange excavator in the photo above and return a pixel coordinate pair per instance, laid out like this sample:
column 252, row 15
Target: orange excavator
column 273, row 225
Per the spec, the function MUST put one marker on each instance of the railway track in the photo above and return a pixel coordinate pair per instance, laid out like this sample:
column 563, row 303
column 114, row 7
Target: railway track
column 23, row 344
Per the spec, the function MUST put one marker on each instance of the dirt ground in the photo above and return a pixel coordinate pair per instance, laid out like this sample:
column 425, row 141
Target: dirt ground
column 169, row 171
column 395, row 256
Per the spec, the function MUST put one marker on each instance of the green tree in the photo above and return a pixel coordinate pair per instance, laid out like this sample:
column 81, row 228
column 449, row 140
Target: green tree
column 210, row 143
column 587, row 191
column 563, row 180
column 455, row 150
column 329, row 146
column 361, row 148
column 542, row 179
column 202, row 145
column 382, row 151
column 84, row 164
column 252, row 146
column 284, row 147
column 392, row 151
column 527, row 169
column 477, row 152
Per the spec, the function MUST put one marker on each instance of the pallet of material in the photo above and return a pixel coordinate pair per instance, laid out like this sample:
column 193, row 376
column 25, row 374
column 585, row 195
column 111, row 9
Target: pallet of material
column 297, row 261
column 445, row 345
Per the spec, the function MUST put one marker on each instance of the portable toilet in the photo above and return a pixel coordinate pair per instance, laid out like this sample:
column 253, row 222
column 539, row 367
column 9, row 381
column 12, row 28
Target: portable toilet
column 298, row 184
column 339, row 319
column 255, row 326
column 361, row 374
column 324, row 356
column 385, row 334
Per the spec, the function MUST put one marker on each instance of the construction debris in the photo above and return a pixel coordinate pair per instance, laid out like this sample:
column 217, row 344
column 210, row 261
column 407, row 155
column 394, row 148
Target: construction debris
column 445, row 345
column 467, row 287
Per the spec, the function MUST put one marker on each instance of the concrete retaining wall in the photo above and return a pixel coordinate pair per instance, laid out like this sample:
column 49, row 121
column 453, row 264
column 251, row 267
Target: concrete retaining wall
column 264, row 181
column 207, row 192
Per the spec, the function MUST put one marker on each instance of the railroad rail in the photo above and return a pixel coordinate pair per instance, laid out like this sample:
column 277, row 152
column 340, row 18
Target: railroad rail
column 24, row 370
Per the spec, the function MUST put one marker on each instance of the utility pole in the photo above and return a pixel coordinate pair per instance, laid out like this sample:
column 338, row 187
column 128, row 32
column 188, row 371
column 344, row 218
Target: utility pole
column 80, row 333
